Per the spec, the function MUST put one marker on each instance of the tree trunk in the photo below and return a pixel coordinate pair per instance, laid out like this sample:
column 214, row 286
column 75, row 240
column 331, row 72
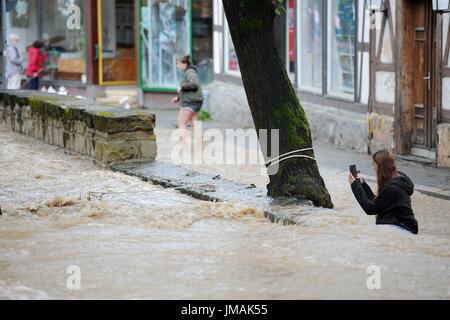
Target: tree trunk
column 272, row 99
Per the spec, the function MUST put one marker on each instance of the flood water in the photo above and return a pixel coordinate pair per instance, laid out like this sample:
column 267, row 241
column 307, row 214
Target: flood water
column 140, row 241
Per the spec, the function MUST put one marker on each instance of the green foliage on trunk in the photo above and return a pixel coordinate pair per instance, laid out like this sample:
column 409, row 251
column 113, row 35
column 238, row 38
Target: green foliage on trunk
column 294, row 120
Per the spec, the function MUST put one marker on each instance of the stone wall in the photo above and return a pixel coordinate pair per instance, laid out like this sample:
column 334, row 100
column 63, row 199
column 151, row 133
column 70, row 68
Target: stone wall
column 443, row 149
column 381, row 131
column 104, row 133
column 347, row 130
column 228, row 103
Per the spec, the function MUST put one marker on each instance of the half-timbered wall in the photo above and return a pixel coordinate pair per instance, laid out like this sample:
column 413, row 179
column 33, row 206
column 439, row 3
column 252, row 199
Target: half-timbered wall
column 443, row 128
column 382, row 79
column 445, row 64
column 363, row 53
column 382, row 36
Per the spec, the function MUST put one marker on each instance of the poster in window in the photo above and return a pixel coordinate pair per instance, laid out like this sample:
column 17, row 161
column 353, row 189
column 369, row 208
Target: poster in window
column 21, row 15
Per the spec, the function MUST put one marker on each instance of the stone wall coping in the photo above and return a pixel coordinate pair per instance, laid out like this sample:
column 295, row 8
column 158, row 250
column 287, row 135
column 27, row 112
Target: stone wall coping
column 101, row 117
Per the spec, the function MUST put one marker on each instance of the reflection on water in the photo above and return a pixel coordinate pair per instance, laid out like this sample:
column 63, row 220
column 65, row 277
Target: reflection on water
column 142, row 241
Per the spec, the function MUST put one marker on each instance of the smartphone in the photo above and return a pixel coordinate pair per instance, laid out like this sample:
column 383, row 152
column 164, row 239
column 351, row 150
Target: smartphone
column 354, row 171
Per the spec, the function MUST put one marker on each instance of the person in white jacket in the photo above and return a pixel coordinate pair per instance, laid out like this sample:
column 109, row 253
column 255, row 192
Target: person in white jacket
column 15, row 63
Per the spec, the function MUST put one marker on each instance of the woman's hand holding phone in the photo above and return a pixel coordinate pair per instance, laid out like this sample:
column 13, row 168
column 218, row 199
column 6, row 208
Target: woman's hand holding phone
column 352, row 179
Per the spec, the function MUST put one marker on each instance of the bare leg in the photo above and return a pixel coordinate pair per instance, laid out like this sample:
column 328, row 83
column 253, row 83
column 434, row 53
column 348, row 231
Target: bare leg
column 198, row 135
column 183, row 119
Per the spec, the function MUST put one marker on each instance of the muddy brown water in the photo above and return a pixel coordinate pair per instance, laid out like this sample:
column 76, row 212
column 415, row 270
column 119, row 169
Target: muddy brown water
column 145, row 242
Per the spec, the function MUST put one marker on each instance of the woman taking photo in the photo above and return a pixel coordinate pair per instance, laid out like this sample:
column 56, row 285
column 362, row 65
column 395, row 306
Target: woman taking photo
column 392, row 204
column 190, row 95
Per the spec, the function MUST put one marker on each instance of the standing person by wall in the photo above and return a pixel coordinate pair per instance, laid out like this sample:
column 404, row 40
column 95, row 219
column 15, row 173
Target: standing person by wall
column 15, row 63
column 36, row 58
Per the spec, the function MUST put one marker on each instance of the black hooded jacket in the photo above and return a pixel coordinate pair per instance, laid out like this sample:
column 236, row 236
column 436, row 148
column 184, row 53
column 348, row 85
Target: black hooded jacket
column 393, row 204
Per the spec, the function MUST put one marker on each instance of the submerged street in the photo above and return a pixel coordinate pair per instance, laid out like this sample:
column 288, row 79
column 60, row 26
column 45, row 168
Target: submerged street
column 141, row 241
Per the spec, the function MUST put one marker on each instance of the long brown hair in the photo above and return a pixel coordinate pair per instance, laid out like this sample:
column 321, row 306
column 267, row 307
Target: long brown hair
column 386, row 167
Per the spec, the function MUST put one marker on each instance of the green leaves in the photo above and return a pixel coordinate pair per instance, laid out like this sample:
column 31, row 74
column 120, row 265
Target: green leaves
column 204, row 115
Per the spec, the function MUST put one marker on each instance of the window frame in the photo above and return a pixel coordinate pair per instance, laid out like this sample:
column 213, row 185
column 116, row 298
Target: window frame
column 302, row 87
column 325, row 90
column 329, row 33
column 226, row 49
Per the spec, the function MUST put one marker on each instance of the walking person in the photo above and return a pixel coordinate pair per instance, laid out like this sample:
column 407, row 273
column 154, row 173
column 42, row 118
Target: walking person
column 15, row 63
column 392, row 204
column 36, row 57
column 190, row 97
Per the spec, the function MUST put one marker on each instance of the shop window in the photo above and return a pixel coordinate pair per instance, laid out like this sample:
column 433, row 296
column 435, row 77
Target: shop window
column 165, row 31
column 62, row 25
column 202, row 50
column 63, row 33
column 23, row 21
column 231, row 59
column 310, row 40
column 341, row 48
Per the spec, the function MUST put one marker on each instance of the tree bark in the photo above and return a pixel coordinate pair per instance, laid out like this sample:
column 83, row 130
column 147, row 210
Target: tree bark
column 273, row 100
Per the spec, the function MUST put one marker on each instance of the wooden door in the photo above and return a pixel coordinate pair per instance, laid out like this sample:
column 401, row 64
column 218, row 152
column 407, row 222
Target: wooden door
column 423, row 135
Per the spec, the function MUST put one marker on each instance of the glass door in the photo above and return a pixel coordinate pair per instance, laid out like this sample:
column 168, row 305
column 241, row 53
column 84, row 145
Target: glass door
column 165, row 36
column 116, row 34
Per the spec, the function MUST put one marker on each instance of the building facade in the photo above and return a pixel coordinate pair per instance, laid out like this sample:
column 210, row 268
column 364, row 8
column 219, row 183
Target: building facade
column 366, row 80
column 410, row 82
column 96, row 44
